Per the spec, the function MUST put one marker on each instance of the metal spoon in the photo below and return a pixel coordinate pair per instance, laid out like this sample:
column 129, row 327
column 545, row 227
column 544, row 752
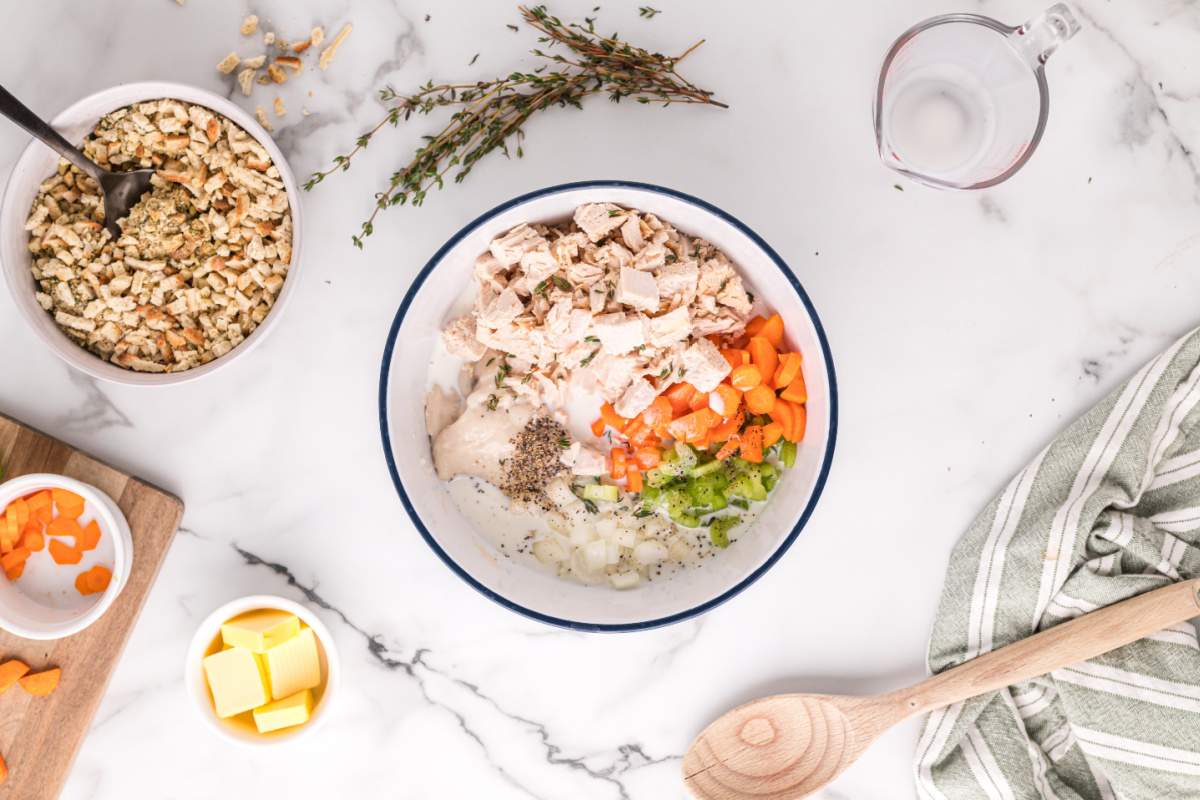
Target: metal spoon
column 790, row 745
column 120, row 189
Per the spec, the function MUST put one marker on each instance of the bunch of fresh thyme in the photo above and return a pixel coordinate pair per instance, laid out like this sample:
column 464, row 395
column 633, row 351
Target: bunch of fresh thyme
column 491, row 113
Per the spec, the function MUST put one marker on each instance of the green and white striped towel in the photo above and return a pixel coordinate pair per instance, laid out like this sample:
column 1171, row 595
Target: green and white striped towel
column 1109, row 510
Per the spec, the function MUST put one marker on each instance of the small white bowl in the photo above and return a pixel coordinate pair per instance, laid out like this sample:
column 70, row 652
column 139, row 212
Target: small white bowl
column 432, row 300
column 44, row 603
column 38, row 161
column 197, row 685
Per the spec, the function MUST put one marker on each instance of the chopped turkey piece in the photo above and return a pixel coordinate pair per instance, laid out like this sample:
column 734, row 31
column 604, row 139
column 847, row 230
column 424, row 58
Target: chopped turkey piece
column 538, row 265
column 714, row 274
column 652, row 256
column 505, row 307
column 734, row 295
column 589, row 462
column 509, row 248
column 613, row 374
column 490, row 271
column 619, row 333
column 678, row 280
column 597, row 219
column 638, row 289
column 704, row 365
column 672, row 327
column 636, row 399
column 460, row 340
column 569, row 456
column 631, row 232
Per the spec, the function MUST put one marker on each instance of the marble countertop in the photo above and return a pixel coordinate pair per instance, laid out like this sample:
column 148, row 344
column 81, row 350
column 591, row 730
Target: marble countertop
column 966, row 330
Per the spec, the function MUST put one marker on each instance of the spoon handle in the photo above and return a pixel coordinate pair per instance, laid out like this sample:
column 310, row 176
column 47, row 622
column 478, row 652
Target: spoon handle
column 17, row 111
column 1069, row 643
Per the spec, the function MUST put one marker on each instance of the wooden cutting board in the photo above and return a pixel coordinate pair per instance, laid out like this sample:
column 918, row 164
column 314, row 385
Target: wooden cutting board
column 39, row 736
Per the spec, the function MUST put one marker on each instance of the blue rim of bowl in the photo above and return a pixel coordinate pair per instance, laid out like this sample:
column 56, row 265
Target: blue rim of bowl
column 591, row 627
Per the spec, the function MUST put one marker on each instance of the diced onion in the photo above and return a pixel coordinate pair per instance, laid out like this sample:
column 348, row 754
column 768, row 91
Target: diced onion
column 549, row 551
column 650, row 552
column 625, row 580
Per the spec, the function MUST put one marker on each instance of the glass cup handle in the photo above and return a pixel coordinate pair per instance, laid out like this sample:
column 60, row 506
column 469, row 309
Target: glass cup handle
column 1038, row 38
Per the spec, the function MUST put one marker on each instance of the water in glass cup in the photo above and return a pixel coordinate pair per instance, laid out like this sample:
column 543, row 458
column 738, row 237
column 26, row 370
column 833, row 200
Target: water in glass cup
column 962, row 99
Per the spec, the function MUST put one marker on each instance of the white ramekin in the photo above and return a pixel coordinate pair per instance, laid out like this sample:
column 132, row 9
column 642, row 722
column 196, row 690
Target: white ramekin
column 22, row 613
column 38, row 161
column 197, row 686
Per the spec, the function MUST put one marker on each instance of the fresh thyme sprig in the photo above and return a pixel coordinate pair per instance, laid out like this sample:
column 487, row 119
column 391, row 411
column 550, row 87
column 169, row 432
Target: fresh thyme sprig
column 491, row 114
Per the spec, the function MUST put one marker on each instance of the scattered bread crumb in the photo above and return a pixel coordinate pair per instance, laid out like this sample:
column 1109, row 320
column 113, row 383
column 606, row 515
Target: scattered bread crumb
column 254, row 63
column 249, row 25
column 329, row 52
column 279, row 109
column 228, row 64
column 262, row 118
column 263, row 80
column 302, row 45
column 290, row 61
column 276, row 73
column 317, row 36
column 245, row 80
column 269, row 39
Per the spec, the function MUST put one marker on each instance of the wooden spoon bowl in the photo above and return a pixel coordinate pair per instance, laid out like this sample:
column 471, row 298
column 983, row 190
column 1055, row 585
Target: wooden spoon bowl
column 790, row 745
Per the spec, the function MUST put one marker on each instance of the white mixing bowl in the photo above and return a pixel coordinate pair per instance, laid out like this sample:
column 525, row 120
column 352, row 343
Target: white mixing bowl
column 417, row 326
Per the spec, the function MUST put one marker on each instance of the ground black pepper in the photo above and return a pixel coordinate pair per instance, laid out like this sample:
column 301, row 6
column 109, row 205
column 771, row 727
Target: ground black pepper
column 535, row 461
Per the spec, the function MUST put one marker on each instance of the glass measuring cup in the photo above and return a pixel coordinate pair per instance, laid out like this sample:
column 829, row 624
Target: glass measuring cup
column 962, row 99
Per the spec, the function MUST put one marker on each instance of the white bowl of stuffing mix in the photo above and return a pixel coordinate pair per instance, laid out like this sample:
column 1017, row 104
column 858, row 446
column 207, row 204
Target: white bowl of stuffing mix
column 204, row 261
column 628, row 410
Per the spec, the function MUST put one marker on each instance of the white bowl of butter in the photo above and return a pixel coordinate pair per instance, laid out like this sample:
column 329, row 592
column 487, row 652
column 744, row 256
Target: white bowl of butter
column 262, row 670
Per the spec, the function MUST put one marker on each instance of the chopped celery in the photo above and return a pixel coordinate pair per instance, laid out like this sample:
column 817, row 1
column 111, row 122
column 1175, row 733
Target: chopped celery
column 787, row 454
column 651, row 495
column 701, row 470
column 748, row 485
column 718, row 530
column 769, row 482
column 687, row 456
column 707, row 495
column 600, row 491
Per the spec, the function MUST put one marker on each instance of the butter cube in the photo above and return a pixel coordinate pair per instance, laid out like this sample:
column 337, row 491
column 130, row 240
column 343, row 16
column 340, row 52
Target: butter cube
column 237, row 681
column 294, row 665
column 286, row 713
column 259, row 631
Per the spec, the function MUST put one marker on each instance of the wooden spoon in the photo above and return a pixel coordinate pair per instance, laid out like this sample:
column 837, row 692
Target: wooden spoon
column 789, row 745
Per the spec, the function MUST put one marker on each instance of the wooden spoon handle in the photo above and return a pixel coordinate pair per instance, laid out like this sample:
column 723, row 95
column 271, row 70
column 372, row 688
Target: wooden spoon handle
column 1069, row 643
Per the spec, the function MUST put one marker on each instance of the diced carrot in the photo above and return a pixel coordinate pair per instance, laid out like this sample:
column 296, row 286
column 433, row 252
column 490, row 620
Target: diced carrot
column 648, row 457
column 659, row 412
column 39, row 500
column 64, row 554
column 715, row 339
column 755, row 325
column 796, row 391
column 32, row 540
column 3, row 771
column 598, row 427
column 12, row 531
column 692, row 427
column 90, row 537
column 772, row 433
column 22, row 510
column 699, row 400
column 763, row 356
column 40, row 684
column 16, row 572
column 772, row 331
column 729, row 448
column 10, row 672
column 13, row 557
column 735, row 357
column 68, row 503
column 789, row 368
column 64, row 526
column 745, row 377
column 785, row 416
column 728, row 429
column 43, row 514
column 801, row 423
column 760, row 399
column 617, row 467
column 633, row 478
column 611, row 418
column 679, row 396
column 725, row 400
column 93, row 581
column 634, row 428
column 751, row 446
column 101, row 576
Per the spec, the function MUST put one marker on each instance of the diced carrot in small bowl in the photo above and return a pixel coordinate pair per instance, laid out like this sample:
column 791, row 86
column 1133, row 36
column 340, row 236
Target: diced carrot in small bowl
column 70, row 528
